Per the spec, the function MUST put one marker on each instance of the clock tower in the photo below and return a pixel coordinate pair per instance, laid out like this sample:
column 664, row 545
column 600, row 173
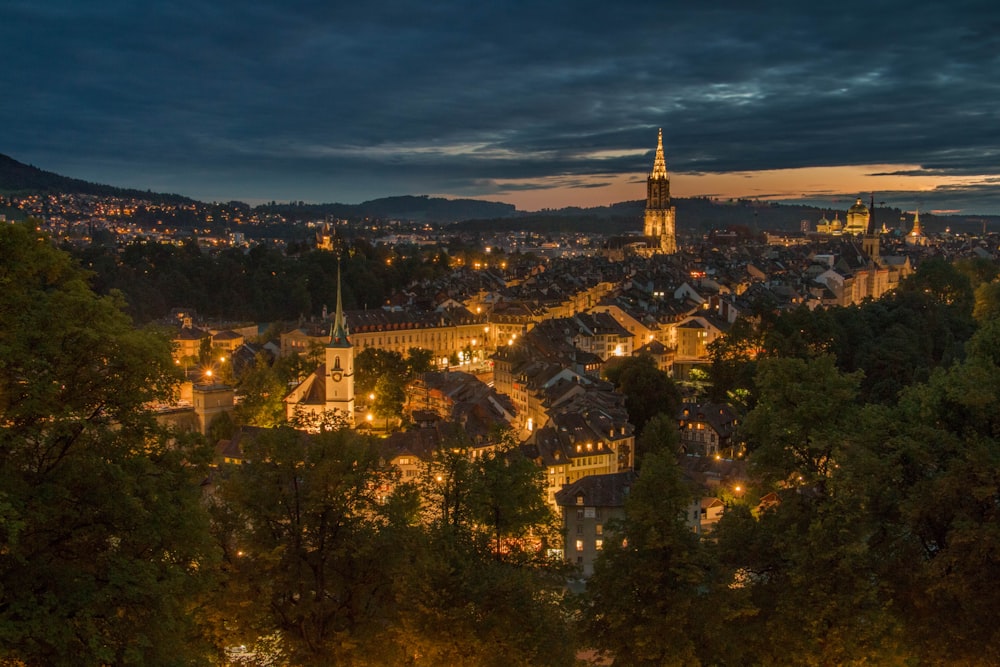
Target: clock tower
column 339, row 364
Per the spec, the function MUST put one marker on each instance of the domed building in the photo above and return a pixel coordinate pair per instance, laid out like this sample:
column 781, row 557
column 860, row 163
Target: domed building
column 834, row 227
column 857, row 218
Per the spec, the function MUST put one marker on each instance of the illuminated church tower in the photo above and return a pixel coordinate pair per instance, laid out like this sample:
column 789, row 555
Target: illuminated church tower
column 339, row 375
column 916, row 235
column 659, row 220
column 330, row 388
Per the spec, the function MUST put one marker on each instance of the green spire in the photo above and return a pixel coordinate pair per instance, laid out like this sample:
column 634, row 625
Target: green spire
column 338, row 330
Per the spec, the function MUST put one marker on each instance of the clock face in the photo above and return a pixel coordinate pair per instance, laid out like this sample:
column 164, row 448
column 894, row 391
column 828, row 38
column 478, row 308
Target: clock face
column 337, row 376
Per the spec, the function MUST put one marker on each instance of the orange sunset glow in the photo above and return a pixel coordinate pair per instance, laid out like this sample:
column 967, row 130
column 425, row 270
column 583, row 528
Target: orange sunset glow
column 771, row 185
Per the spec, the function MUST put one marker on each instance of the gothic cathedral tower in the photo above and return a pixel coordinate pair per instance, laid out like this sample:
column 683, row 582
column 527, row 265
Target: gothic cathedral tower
column 659, row 219
column 339, row 365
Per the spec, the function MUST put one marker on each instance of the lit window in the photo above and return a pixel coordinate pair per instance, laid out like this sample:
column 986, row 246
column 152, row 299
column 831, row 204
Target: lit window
column 598, row 544
column 579, row 545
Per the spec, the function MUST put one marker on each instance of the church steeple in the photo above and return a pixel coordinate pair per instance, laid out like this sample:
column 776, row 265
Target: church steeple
column 339, row 364
column 338, row 330
column 870, row 242
column 658, row 224
column 659, row 163
column 916, row 235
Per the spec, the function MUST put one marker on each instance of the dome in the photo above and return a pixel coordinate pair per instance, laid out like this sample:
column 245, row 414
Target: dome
column 858, row 208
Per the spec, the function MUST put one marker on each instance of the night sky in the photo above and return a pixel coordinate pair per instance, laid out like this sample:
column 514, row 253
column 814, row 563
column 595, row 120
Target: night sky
column 541, row 104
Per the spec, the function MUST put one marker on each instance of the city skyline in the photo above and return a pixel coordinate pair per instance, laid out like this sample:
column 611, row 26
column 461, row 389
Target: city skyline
column 541, row 107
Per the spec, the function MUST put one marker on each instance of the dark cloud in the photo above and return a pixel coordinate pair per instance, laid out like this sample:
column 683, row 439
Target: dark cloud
column 346, row 101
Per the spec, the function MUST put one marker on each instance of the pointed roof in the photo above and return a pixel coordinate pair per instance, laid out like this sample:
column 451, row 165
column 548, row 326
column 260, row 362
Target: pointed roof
column 338, row 330
column 659, row 163
column 916, row 231
column 872, row 230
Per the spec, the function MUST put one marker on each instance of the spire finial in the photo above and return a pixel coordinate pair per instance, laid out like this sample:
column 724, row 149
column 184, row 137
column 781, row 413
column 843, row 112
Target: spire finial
column 659, row 163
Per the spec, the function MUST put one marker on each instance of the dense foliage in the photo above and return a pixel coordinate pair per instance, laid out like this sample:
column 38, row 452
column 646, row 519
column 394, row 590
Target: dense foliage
column 263, row 284
column 104, row 549
column 330, row 560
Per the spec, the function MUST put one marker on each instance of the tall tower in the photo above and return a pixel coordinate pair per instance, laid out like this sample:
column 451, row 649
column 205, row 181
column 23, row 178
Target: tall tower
column 659, row 220
column 339, row 367
column 871, row 240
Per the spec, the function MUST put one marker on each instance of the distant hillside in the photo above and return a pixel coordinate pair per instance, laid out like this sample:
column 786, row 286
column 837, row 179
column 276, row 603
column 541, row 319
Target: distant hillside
column 17, row 178
column 701, row 215
column 419, row 208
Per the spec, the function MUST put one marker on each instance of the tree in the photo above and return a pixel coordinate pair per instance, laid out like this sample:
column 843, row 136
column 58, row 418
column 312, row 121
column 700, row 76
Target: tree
column 314, row 548
column 660, row 436
column 930, row 477
column 945, row 282
column 509, row 500
column 642, row 605
column 262, row 392
column 372, row 363
column 648, row 390
column 490, row 595
column 105, row 545
column 419, row 360
column 733, row 358
column 389, row 397
column 803, row 409
column 987, row 301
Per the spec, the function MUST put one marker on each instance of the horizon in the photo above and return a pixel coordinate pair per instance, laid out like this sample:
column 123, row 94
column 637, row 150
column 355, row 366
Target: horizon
column 824, row 201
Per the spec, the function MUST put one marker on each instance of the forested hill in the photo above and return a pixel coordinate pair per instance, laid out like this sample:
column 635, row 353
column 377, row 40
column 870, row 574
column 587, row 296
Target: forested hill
column 420, row 208
column 696, row 215
column 700, row 215
column 17, row 178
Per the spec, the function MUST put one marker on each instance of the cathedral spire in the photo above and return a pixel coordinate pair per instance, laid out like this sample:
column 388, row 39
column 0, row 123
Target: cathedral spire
column 870, row 243
column 659, row 164
column 871, row 219
column 338, row 330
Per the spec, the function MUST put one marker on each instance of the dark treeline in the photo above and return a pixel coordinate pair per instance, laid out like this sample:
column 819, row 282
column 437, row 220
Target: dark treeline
column 895, row 341
column 262, row 285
